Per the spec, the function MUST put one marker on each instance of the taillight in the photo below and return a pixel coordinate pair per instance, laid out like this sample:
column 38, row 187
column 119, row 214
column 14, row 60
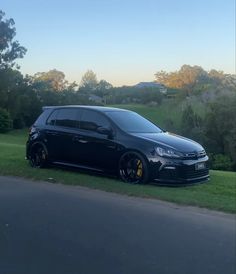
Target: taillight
column 32, row 130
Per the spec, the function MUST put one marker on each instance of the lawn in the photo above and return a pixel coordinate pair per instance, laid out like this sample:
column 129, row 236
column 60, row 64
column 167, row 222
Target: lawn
column 219, row 193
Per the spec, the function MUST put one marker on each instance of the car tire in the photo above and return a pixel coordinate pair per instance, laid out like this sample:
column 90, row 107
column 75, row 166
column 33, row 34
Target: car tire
column 38, row 157
column 133, row 168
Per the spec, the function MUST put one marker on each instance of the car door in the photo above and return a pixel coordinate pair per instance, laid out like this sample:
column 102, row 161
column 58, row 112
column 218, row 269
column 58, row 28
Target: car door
column 95, row 149
column 61, row 134
column 51, row 133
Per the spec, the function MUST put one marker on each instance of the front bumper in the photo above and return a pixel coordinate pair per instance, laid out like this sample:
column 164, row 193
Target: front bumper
column 174, row 171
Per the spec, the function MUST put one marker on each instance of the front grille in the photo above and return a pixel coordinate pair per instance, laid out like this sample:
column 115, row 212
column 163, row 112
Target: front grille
column 168, row 174
column 195, row 154
column 189, row 172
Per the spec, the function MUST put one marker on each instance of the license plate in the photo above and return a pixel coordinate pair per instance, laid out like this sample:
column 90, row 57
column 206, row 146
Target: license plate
column 199, row 166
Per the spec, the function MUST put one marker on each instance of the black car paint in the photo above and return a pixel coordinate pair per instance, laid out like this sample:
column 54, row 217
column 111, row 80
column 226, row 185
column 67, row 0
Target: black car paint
column 100, row 152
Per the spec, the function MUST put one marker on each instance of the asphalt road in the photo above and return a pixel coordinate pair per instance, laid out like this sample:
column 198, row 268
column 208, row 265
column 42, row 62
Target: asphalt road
column 50, row 228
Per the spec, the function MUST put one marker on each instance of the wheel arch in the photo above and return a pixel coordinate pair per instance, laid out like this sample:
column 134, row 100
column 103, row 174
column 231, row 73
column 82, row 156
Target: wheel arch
column 37, row 144
column 146, row 178
column 136, row 151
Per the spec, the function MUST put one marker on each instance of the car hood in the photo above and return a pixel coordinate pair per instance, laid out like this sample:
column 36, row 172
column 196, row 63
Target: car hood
column 171, row 140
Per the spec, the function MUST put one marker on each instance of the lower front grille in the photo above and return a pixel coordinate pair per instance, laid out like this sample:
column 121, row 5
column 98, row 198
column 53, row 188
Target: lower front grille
column 190, row 172
column 167, row 174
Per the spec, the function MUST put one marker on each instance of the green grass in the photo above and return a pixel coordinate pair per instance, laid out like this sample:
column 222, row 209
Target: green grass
column 218, row 194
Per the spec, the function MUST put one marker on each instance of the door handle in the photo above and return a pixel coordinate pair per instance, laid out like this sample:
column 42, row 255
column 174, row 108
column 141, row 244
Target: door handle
column 52, row 133
column 75, row 138
column 79, row 139
column 82, row 141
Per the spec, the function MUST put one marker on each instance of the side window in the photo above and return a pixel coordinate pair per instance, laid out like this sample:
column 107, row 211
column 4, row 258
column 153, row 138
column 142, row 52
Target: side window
column 67, row 117
column 52, row 118
column 42, row 118
column 91, row 120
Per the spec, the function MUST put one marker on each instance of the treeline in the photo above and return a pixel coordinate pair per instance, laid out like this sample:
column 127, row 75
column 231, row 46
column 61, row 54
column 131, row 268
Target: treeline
column 22, row 98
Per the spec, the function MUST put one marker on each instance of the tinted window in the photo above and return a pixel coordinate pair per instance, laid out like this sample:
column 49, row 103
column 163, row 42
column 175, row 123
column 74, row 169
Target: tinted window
column 52, row 118
column 91, row 120
column 67, row 118
column 133, row 122
column 42, row 118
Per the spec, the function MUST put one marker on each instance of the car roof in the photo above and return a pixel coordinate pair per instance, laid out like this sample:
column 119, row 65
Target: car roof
column 97, row 108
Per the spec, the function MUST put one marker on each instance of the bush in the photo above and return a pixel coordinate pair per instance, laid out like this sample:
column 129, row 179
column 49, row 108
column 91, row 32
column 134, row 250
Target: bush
column 220, row 131
column 191, row 125
column 18, row 123
column 221, row 162
column 5, row 121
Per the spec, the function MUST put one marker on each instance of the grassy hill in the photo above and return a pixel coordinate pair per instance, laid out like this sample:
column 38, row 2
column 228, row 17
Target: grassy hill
column 170, row 111
column 158, row 114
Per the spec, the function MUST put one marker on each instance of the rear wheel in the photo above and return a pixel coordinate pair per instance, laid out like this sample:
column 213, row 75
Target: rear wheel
column 133, row 168
column 38, row 156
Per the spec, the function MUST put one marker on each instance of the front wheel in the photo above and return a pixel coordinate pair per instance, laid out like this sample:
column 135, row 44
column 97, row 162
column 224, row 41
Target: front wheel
column 38, row 157
column 133, row 168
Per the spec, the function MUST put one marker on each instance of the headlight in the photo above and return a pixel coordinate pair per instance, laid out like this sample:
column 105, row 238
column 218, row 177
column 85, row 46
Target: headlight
column 168, row 152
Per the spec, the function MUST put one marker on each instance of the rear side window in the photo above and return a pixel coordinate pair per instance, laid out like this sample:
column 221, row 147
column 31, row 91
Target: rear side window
column 52, row 118
column 67, row 118
column 42, row 118
column 91, row 120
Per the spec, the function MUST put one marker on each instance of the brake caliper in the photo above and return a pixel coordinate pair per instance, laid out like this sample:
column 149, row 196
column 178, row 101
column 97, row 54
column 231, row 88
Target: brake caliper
column 139, row 169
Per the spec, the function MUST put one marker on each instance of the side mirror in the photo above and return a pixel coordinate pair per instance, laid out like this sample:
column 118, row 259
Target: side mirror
column 105, row 131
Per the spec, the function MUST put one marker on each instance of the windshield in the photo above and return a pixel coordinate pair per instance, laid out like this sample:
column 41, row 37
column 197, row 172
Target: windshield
column 132, row 122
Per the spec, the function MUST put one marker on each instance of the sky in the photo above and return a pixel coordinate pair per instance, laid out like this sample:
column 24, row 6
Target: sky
column 123, row 41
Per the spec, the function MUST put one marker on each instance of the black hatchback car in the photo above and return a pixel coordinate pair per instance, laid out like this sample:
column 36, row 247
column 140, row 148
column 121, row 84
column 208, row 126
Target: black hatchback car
column 114, row 141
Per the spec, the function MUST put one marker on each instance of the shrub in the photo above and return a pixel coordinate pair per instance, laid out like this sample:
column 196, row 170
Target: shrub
column 191, row 125
column 222, row 162
column 5, row 121
column 18, row 123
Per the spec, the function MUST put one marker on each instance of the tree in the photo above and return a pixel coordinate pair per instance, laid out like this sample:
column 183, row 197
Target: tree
column 164, row 78
column 191, row 124
column 103, row 89
column 215, row 74
column 10, row 49
column 10, row 81
column 89, row 81
column 5, row 121
column 12, row 85
column 104, row 85
column 18, row 97
column 54, row 78
column 220, row 127
column 186, row 78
